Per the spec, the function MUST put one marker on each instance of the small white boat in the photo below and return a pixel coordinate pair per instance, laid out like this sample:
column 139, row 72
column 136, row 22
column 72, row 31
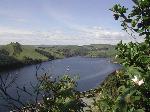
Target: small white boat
column 67, row 68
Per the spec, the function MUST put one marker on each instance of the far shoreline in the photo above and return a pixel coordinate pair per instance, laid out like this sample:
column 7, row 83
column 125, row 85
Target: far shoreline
column 21, row 65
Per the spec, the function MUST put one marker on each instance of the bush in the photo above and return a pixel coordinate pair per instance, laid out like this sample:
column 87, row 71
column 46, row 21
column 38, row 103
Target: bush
column 132, row 84
column 49, row 95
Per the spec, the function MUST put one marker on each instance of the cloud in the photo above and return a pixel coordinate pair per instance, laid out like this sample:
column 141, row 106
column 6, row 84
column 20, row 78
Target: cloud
column 79, row 36
column 7, row 30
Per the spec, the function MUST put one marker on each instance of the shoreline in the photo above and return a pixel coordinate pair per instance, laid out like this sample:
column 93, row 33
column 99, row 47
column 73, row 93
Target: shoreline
column 20, row 64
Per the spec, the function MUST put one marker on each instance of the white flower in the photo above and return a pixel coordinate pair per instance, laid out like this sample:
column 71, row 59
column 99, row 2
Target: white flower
column 117, row 71
column 47, row 98
column 137, row 81
column 140, row 82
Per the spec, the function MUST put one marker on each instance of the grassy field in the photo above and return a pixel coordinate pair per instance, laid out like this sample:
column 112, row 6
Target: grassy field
column 18, row 51
column 29, row 51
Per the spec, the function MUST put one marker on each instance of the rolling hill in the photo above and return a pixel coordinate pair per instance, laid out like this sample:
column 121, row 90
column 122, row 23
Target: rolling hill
column 19, row 55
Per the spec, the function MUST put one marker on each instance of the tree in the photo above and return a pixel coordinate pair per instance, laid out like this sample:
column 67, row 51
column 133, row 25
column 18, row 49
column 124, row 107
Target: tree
column 47, row 95
column 137, row 20
column 133, row 81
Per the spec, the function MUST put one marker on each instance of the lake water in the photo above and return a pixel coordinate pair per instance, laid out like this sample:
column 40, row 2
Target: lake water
column 92, row 71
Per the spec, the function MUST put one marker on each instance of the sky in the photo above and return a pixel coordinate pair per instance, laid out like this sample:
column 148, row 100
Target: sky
column 60, row 22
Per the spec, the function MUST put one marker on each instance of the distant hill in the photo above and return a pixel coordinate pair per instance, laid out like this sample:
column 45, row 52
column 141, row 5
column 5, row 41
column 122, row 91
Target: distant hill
column 15, row 54
column 101, row 50
column 93, row 50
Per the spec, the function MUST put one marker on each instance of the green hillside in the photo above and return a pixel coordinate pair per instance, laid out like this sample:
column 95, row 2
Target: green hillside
column 101, row 50
column 15, row 53
column 19, row 55
column 20, row 51
column 94, row 50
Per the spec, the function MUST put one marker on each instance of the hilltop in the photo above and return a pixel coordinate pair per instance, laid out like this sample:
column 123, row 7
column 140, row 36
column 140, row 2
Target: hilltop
column 15, row 53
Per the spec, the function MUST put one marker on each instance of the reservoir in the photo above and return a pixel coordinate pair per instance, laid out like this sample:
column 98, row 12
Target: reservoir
column 91, row 72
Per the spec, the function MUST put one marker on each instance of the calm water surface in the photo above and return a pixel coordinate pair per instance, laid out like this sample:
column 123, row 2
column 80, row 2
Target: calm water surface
column 92, row 71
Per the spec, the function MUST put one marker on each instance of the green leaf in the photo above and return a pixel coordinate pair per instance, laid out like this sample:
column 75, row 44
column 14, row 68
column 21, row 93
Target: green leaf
column 139, row 110
column 133, row 23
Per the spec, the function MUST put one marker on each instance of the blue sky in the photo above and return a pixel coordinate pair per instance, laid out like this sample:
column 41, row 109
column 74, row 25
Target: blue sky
column 60, row 22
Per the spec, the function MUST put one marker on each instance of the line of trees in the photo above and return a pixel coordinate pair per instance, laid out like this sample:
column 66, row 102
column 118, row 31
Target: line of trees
column 47, row 54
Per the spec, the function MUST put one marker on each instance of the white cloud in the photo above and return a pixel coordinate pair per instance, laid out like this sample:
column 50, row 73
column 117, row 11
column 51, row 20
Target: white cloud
column 6, row 30
column 80, row 36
